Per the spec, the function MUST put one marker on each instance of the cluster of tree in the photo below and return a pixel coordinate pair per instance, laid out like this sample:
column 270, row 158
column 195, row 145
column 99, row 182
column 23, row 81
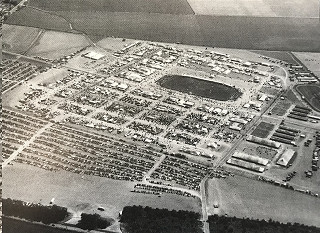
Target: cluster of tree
column 92, row 222
column 223, row 224
column 34, row 212
column 138, row 219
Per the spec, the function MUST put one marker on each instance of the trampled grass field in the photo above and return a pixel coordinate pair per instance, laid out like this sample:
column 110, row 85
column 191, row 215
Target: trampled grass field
column 311, row 93
column 262, row 8
column 310, row 60
column 12, row 35
column 145, row 6
column 243, row 197
column 54, row 45
column 74, row 192
column 281, row 108
column 263, row 130
column 279, row 55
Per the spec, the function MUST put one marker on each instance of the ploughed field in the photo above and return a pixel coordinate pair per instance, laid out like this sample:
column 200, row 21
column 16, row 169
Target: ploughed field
column 311, row 93
column 199, row 87
column 242, row 32
column 261, row 8
column 149, row 6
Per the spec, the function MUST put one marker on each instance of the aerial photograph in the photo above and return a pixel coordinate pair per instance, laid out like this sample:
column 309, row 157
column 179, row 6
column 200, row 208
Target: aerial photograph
column 160, row 116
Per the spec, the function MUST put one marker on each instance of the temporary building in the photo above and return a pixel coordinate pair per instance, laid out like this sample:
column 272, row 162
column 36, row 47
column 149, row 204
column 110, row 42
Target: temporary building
column 250, row 158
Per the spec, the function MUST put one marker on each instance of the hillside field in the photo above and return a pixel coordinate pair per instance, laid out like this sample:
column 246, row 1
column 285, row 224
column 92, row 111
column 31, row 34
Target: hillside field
column 145, row 6
column 12, row 35
column 243, row 197
column 261, row 8
column 38, row 19
column 54, row 45
column 213, row 31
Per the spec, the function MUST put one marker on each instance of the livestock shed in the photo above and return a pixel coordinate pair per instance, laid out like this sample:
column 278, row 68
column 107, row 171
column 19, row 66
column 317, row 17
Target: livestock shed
column 250, row 158
column 264, row 142
column 247, row 165
column 286, row 157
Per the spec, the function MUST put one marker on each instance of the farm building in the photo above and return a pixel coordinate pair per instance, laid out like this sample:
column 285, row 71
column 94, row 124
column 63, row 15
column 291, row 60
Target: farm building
column 264, row 142
column 250, row 158
column 286, row 157
column 244, row 164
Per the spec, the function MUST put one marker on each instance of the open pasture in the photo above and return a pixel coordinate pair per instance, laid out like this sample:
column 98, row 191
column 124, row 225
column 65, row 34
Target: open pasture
column 243, row 197
column 262, row 8
column 54, row 45
column 145, row 6
column 12, row 35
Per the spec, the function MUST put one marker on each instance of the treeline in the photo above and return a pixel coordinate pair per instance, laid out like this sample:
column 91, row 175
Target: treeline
column 33, row 212
column 223, row 224
column 92, row 221
column 16, row 225
column 138, row 219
